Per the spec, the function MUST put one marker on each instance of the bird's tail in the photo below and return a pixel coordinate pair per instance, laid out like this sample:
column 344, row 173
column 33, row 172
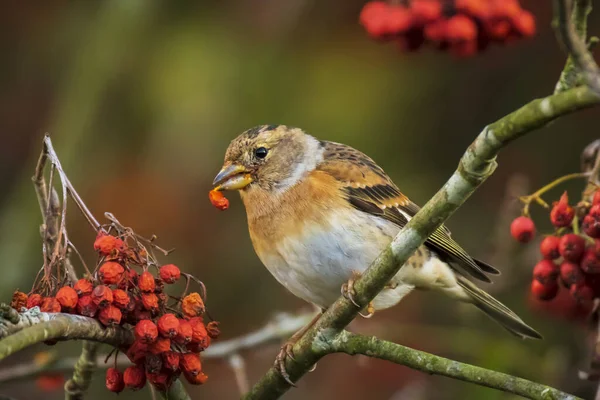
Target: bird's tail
column 497, row 311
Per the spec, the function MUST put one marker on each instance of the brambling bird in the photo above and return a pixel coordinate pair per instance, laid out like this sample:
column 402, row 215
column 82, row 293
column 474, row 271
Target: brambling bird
column 320, row 212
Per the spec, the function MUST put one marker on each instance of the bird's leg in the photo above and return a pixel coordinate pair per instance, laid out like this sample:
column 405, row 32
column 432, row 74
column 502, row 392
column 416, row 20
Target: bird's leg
column 287, row 351
column 349, row 293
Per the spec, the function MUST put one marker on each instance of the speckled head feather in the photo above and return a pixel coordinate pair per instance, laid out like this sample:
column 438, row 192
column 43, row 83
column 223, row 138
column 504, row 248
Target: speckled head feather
column 290, row 154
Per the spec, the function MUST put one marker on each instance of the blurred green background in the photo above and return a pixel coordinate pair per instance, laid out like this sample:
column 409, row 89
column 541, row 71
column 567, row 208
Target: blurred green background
column 143, row 97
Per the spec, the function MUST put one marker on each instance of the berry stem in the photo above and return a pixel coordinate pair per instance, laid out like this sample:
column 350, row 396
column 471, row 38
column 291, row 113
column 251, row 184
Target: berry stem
column 536, row 196
column 575, row 225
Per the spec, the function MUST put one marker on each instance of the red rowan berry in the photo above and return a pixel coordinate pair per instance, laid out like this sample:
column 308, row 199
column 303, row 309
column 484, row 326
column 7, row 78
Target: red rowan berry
column 34, row 300
column 506, row 8
column 562, row 213
column 134, row 377
column 19, row 300
column 171, row 360
column 425, row 11
column 571, row 247
column 545, row 272
column 111, row 273
column 150, row 301
column 192, row 305
column 50, row 381
column 168, row 325
column 50, row 304
column 161, row 380
column 83, row 287
column 102, row 296
column 475, row 8
column 184, row 332
column 213, row 329
column 146, row 331
column 199, row 379
column 146, row 282
column 67, row 297
column 160, row 345
column 461, row 29
column 140, row 312
column 583, row 294
column 121, row 299
column 86, row 306
column 199, row 333
column 373, row 17
column 524, row 23
column 571, row 273
column 110, row 315
column 590, row 264
column 399, row 20
column 549, row 247
column 169, row 273
column 108, row 245
column 544, row 292
column 189, row 363
column 114, row 380
column 137, row 352
column 437, row 31
column 522, row 229
column 591, row 226
column 595, row 211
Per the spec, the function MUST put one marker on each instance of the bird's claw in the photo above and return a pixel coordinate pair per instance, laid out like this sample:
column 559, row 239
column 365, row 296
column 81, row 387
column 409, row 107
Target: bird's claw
column 285, row 352
column 370, row 311
column 349, row 293
column 348, row 289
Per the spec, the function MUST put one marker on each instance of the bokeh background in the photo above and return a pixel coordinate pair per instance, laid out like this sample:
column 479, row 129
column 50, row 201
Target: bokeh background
column 143, row 97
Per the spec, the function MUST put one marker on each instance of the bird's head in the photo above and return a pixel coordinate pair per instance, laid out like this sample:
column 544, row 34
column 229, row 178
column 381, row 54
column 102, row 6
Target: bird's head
column 269, row 157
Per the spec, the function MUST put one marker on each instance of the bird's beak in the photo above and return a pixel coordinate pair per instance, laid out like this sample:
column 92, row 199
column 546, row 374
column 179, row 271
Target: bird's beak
column 232, row 177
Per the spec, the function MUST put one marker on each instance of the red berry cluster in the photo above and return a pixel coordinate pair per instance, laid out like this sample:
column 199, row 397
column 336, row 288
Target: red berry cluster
column 571, row 255
column 122, row 291
column 463, row 27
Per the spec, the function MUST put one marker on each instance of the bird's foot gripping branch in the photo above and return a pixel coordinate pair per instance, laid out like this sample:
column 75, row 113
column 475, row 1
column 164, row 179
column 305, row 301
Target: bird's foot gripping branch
column 152, row 312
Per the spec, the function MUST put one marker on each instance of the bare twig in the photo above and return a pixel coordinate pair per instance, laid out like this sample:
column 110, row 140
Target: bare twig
column 51, row 154
column 238, row 365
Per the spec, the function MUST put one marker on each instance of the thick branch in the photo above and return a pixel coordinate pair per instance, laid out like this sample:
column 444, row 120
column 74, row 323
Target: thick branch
column 571, row 30
column 371, row 346
column 476, row 165
column 35, row 327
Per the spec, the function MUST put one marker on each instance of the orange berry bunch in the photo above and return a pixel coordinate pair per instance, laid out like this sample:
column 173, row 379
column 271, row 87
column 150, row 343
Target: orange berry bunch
column 463, row 27
column 170, row 332
column 571, row 255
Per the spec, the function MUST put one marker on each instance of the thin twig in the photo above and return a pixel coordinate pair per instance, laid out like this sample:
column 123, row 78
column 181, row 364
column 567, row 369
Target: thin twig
column 371, row 346
column 74, row 195
column 575, row 45
column 237, row 364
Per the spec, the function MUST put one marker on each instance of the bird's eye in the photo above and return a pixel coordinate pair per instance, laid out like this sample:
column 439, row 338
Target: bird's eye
column 261, row 152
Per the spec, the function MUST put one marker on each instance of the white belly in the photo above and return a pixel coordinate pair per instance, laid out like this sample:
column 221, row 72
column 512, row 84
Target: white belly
column 315, row 265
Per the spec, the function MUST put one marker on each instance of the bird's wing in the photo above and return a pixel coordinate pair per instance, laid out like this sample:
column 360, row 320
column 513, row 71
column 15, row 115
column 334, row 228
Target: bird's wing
column 368, row 188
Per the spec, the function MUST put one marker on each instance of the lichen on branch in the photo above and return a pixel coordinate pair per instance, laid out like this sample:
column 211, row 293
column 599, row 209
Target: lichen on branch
column 36, row 326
